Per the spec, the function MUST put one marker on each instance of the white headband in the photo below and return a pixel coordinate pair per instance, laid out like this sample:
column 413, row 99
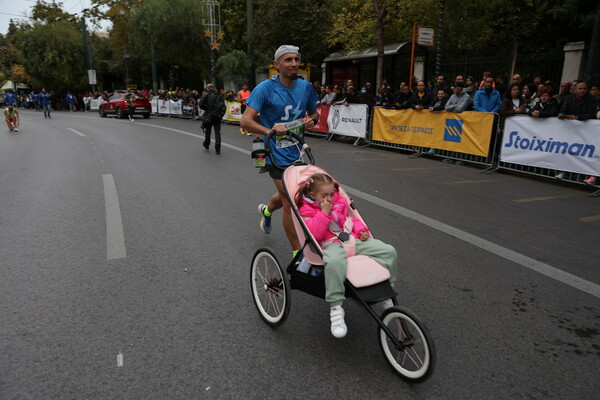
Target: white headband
column 285, row 49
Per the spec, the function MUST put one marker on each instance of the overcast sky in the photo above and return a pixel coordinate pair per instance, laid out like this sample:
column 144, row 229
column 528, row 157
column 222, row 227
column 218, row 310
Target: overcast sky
column 17, row 9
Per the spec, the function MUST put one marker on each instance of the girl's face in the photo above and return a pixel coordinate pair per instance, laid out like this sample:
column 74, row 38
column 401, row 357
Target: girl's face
column 323, row 192
column 545, row 98
column 515, row 92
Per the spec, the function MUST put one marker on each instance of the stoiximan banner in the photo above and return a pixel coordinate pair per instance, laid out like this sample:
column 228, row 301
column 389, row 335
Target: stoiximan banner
column 564, row 145
column 466, row 132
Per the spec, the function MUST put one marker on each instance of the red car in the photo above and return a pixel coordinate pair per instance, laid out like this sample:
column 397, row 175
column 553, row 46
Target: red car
column 117, row 105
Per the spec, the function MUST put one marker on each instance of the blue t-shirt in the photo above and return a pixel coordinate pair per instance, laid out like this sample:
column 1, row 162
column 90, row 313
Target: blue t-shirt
column 35, row 97
column 70, row 99
column 10, row 98
column 278, row 104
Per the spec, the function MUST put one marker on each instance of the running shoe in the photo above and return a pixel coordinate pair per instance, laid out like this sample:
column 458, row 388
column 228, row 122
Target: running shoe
column 590, row 181
column 16, row 130
column 338, row 326
column 265, row 222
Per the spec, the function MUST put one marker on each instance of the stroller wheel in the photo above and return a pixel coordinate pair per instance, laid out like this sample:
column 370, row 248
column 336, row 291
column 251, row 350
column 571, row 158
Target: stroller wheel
column 270, row 288
column 414, row 360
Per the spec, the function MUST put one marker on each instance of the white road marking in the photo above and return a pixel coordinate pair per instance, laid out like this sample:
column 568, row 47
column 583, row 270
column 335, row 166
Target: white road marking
column 120, row 359
column 77, row 132
column 115, row 240
column 511, row 255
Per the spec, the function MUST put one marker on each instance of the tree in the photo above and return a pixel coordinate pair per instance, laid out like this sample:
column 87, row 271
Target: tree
column 232, row 67
column 53, row 54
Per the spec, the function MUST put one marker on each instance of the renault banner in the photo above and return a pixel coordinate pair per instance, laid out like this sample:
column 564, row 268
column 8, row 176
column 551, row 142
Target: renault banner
column 348, row 120
column 564, row 145
column 466, row 132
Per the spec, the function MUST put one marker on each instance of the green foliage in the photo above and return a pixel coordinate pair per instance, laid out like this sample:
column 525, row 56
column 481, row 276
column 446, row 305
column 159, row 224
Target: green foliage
column 233, row 67
column 303, row 23
column 53, row 55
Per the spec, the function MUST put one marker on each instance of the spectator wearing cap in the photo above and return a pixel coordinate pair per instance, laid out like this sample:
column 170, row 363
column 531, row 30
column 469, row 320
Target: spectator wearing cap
column 459, row 101
column 487, row 99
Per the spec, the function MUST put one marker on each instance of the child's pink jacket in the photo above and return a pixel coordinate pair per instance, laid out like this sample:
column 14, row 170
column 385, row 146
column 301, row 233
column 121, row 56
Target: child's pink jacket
column 321, row 225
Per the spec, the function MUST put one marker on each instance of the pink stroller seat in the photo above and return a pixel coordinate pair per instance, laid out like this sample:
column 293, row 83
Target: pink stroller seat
column 362, row 270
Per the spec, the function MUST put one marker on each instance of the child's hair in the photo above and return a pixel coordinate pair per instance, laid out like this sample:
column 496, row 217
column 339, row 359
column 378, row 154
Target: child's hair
column 312, row 184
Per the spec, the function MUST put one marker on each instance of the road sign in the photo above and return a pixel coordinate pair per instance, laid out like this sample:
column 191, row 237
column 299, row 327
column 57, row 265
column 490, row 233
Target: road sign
column 92, row 76
column 425, row 36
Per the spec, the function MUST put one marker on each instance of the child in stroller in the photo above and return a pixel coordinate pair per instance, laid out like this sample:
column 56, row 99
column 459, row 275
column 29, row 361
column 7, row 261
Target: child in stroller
column 325, row 213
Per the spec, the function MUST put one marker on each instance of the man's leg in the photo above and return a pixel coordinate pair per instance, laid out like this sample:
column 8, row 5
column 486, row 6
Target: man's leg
column 217, row 126
column 288, row 222
column 206, row 143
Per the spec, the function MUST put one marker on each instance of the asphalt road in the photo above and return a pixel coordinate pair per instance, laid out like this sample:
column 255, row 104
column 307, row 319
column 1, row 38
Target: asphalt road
column 503, row 269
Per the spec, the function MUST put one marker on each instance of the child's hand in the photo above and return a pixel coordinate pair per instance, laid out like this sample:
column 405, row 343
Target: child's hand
column 364, row 235
column 325, row 207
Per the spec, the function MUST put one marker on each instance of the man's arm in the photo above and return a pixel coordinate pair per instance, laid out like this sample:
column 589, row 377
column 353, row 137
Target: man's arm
column 463, row 104
column 249, row 122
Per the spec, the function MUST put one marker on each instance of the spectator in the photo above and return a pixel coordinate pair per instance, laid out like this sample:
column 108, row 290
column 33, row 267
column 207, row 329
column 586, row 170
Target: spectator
column 421, row 98
column 487, row 99
column 317, row 87
column 565, row 90
column 580, row 106
column 513, row 102
column 460, row 100
column 329, row 96
column 323, row 92
column 440, row 84
column 351, row 96
column 339, row 96
column 529, row 96
column 384, row 97
column 547, row 106
column 364, row 97
column 516, row 78
column 470, row 87
column 440, row 102
column 537, row 81
column 369, row 88
column 500, row 85
column 460, row 78
column 486, row 75
column 573, row 85
column 403, row 98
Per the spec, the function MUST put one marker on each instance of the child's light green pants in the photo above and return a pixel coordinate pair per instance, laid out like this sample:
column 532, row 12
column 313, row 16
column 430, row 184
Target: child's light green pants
column 334, row 258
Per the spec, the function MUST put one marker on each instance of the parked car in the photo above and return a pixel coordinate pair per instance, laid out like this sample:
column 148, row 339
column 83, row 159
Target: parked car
column 117, row 105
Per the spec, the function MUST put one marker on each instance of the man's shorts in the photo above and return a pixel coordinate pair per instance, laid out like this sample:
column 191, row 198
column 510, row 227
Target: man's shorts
column 274, row 172
column 11, row 120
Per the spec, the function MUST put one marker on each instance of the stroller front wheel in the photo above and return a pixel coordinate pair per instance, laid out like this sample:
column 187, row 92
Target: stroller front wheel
column 270, row 288
column 414, row 360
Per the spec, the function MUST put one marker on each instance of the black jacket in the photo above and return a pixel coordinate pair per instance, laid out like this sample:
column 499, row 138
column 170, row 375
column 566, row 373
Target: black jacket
column 213, row 103
column 584, row 109
column 550, row 109
column 425, row 101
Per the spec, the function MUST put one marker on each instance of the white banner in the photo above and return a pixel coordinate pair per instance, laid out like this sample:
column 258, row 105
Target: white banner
column 175, row 107
column 163, row 106
column 95, row 104
column 564, row 145
column 349, row 121
column 154, row 105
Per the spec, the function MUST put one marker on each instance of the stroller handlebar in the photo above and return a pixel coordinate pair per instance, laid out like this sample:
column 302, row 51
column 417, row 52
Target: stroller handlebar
column 305, row 150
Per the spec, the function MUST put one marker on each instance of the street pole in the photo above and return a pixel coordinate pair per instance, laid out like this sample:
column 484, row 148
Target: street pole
column 154, row 69
column 88, row 50
column 438, row 56
column 212, row 32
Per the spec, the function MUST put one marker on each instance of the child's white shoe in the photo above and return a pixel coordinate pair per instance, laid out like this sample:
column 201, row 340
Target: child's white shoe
column 338, row 326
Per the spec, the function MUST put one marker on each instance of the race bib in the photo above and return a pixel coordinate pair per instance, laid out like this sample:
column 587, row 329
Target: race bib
column 296, row 127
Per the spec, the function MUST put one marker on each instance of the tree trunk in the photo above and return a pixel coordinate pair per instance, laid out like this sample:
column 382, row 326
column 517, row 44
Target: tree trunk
column 380, row 8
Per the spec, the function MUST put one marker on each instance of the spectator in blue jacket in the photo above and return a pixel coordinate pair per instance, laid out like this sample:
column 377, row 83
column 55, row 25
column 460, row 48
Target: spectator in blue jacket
column 487, row 99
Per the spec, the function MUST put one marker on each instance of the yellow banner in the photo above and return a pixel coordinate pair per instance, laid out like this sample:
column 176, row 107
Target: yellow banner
column 466, row 132
column 233, row 111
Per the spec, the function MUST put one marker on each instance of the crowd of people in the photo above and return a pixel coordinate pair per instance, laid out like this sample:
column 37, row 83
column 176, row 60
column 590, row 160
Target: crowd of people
column 572, row 100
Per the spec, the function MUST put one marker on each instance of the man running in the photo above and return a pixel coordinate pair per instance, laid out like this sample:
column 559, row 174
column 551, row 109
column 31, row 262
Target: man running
column 11, row 116
column 283, row 102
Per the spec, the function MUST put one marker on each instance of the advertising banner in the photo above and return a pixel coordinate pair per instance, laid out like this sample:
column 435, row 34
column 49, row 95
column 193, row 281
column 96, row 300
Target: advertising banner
column 466, row 132
column 175, row 107
column 564, row 145
column 348, row 120
column 187, row 111
column 95, row 104
column 233, row 111
column 321, row 126
column 154, row 105
column 163, row 106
